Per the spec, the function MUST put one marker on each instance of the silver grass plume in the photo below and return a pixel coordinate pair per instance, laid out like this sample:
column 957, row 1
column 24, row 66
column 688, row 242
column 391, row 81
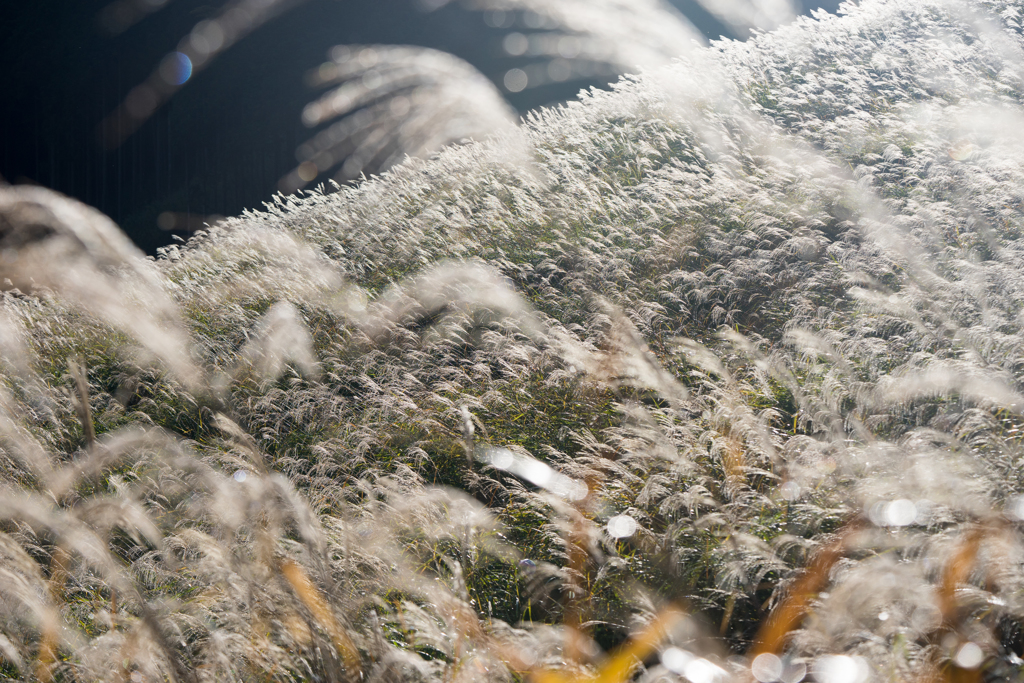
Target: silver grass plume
column 52, row 242
column 743, row 15
column 392, row 102
column 624, row 35
column 405, row 101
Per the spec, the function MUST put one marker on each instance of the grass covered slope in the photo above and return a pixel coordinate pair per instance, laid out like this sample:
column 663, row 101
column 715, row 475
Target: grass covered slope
column 720, row 369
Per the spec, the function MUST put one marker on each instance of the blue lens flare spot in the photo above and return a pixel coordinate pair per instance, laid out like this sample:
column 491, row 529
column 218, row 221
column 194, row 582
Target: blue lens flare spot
column 176, row 68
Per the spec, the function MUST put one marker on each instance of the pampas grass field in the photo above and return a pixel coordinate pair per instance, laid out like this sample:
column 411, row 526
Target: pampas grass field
column 714, row 376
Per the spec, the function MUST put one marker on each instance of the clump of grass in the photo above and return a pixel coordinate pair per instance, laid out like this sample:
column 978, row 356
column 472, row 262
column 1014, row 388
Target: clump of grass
column 725, row 383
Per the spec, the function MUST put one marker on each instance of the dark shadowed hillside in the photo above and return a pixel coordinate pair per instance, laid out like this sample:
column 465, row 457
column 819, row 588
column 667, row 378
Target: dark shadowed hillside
column 226, row 139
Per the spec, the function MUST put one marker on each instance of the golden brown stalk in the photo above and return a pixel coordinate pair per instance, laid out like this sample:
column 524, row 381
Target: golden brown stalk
column 954, row 575
column 618, row 667
column 321, row 611
column 786, row 617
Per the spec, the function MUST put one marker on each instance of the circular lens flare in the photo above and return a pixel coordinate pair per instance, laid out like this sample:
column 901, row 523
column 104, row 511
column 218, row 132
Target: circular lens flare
column 176, row 68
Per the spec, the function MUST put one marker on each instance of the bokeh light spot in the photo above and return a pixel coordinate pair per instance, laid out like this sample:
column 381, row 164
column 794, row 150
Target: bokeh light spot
column 176, row 68
column 372, row 80
column 534, row 20
column 141, row 101
column 312, row 114
column 703, row 671
column 841, row 669
column 569, row 47
column 1015, row 508
column 621, row 526
column 969, row 656
column 793, row 671
column 328, row 71
column 516, row 80
column 675, row 660
column 790, row 491
column 499, row 19
column 527, row 566
column 502, row 458
column 167, row 221
column 901, row 512
column 207, row 37
column 368, row 57
column 515, row 44
column 559, row 70
column 767, row 668
column 341, row 53
column 308, row 171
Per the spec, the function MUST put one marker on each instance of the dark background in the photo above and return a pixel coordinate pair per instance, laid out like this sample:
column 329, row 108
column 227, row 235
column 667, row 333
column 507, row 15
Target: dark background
column 224, row 140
